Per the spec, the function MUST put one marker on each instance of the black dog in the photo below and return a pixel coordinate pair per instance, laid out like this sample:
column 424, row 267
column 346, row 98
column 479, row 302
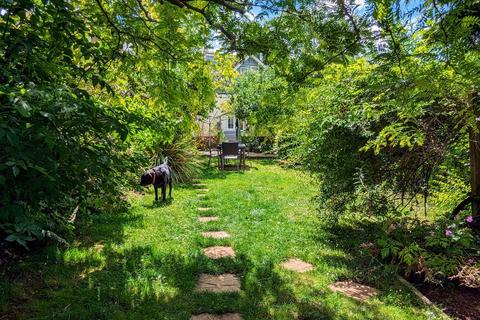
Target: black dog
column 160, row 175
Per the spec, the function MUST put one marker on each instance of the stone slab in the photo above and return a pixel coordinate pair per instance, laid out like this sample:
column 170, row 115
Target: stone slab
column 357, row 291
column 218, row 252
column 204, row 209
column 207, row 219
column 216, row 234
column 227, row 282
column 199, row 184
column 202, row 190
column 209, row 316
column 297, row 265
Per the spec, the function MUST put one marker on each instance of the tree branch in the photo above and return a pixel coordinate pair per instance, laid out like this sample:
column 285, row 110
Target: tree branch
column 145, row 11
column 110, row 22
column 230, row 36
column 343, row 8
column 119, row 32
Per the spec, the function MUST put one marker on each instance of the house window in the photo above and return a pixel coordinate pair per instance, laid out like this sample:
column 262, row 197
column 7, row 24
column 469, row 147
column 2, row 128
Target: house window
column 230, row 124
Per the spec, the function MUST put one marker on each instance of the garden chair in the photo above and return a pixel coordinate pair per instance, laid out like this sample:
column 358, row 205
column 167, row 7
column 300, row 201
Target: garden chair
column 230, row 151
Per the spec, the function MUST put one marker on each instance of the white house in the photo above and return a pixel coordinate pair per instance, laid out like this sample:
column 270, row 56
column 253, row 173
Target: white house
column 221, row 121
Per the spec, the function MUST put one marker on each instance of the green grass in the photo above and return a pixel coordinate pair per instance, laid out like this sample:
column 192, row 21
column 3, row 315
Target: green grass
column 144, row 263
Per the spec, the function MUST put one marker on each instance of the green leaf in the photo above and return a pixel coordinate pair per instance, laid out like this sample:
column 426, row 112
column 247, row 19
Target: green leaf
column 12, row 139
column 385, row 252
column 20, row 239
column 23, row 108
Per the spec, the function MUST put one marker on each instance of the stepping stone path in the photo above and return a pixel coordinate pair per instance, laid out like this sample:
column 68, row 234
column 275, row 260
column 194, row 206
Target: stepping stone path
column 226, row 282
column 229, row 282
column 354, row 290
column 297, row 265
column 208, row 316
column 218, row 252
column 216, row 234
column 207, row 219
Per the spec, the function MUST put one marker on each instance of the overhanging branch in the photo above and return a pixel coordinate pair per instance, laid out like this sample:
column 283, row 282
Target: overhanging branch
column 228, row 5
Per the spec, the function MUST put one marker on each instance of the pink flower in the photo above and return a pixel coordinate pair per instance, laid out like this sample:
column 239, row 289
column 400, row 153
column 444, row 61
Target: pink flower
column 469, row 219
column 366, row 245
column 471, row 261
column 448, row 233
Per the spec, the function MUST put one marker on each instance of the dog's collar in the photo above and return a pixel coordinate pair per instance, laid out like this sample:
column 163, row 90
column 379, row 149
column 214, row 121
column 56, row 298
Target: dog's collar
column 154, row 176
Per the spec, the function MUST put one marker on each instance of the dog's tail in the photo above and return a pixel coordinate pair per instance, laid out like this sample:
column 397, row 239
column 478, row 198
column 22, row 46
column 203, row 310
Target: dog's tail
column 165, row 160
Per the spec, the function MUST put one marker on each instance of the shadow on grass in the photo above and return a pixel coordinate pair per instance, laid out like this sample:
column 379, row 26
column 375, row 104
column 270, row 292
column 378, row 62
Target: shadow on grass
column 136, row 283
column 362, row 266
column 100, row 278
column 159, row 203
column 270, row 295
column 107, row 227
column 140, row 283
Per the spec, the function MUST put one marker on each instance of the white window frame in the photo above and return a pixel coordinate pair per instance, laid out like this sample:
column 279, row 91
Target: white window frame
column 230, row 123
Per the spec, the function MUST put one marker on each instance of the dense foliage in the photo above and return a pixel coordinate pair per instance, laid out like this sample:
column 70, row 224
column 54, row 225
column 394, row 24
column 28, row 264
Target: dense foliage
column 88, row 95
column 386, row 130
column 377, row 100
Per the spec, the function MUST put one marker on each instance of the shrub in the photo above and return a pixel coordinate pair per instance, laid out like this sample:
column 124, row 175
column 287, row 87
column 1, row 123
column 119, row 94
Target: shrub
column 77, row 111
column 64, row 151
column 440, row 251
column 203, row 142
column 182, row 158
column 258, row 143
column 285, row 145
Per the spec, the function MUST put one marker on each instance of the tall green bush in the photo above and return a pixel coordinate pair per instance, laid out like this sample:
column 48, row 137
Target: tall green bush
column 87, row 96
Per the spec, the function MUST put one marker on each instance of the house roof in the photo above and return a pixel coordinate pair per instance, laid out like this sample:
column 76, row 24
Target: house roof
column 257, row 60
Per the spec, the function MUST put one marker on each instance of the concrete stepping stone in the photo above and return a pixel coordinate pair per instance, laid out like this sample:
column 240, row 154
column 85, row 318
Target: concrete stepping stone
column 207, row 219
column 201, row 195
column 216, row 234
column 209, row 316
column 297, row 265
column 204, row 209
column 202, row 190
column 199, row 184
column 227, row 282
column 357, row 291
column 218, row 252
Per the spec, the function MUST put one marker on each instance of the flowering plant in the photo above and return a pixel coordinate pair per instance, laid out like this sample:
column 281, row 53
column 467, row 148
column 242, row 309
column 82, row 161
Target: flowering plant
column 444, row 250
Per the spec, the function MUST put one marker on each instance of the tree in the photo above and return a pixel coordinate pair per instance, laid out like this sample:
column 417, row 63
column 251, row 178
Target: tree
column 260, row 98
column 88, row 93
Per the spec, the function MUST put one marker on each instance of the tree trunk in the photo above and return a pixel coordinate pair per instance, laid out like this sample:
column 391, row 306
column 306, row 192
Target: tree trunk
column 209, row 141
column 475, row 168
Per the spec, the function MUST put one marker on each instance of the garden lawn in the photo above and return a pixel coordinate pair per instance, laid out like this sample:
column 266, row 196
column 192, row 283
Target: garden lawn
column 144, row 263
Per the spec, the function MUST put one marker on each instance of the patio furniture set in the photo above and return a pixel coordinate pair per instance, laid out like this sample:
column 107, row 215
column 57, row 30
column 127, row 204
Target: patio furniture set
column 231, row 151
